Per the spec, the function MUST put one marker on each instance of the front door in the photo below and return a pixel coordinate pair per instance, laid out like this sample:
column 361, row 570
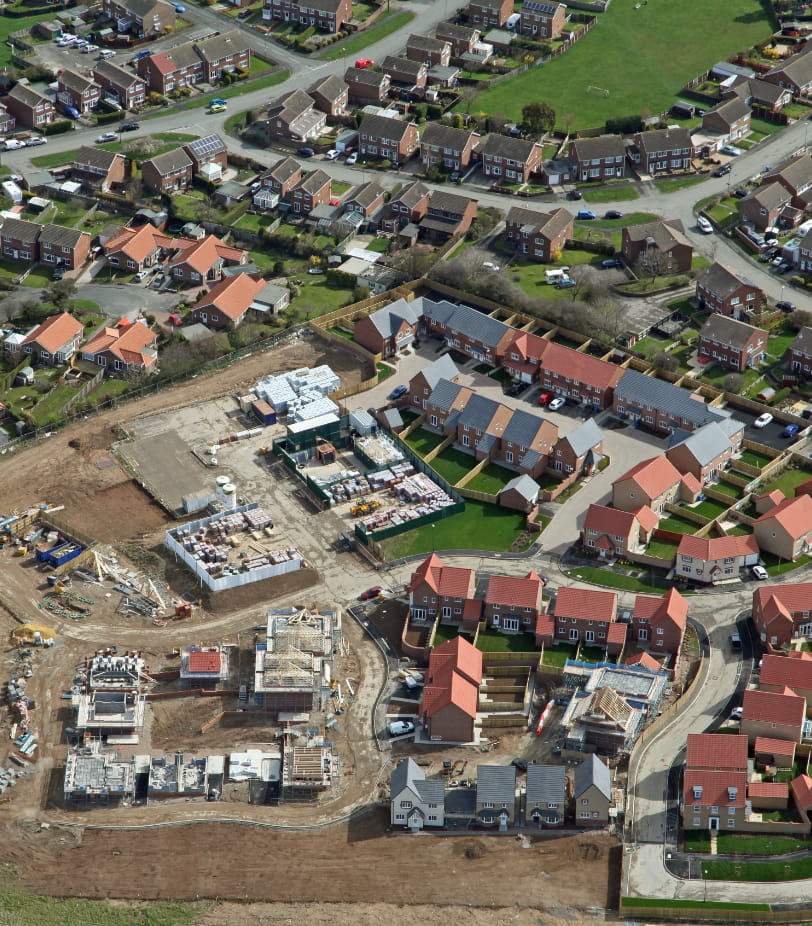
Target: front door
column 713, row 823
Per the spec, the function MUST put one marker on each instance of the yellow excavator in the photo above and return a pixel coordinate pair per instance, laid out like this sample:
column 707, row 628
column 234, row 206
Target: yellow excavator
column 362, row 507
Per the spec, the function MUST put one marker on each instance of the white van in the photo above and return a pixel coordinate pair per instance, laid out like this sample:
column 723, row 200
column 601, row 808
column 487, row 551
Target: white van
column 140, row 276
column 557, row 275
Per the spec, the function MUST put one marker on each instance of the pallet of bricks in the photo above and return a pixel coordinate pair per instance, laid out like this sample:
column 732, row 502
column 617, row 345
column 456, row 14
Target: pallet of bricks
column 423, row 497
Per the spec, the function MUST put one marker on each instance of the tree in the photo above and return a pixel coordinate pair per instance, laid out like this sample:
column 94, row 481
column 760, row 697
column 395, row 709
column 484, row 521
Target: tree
column 60, row 292
column 469, row 94
column 733, row 382
column 801, row 318
column 537, row 118
column 664, row 361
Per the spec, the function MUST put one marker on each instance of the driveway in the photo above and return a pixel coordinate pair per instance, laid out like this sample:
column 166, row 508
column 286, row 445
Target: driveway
column 769, row 435
column 128, row 300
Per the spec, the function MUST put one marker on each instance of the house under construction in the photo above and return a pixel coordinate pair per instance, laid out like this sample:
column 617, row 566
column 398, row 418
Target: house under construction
column 111, row 698
column 96, row 777
column 308, row 768
column 294, row 665
column 203, row 666
column 179, row 776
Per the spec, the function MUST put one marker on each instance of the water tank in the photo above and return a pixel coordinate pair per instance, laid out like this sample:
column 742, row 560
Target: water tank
column 229, row 494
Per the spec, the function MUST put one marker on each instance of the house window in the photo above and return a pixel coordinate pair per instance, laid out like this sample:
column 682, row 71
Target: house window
column 400, row 816
column 488, row 805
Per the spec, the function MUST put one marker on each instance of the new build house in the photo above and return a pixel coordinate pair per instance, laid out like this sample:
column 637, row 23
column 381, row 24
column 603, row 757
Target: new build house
column 611, row 532
column 715, row 559
column 654, row 483
column 450, row 697
column 782, row 612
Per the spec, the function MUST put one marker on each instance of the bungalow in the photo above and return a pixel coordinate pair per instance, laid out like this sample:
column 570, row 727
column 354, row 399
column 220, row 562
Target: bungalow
column 30, row 108
column 141, row 18
column 611, row 532
column 496, row 801
column 294, row 117
column 406, row 207
column 579, row 376
column 792, row 671
column 330, row 95
column 759, row 94
column 707, row 452
column 587, row 616
column 513, row 603
column 781, row 612
column 663, row 150
column 203, row 261
column 415, row 801
column 659, row 623
column 580, row 451
column 125, row 87
column 732, row 343
column 63, row 247
column 539, row 236
column 97, row 169
column 654, row 483
column 326, row 15
column 659, row 405
column 715, row 559
column 314, row 189
column 542, row 20
column 592, row 792
column 450, row 697
column 727, row 122
column 282, row 177
column 545, row 795
column 423, row 383
column 428, row 50
column 657, row 248
column 462, row 39
column 167, row 172
column 365, row 199
column 405, row 71
column 134, row 249
column 447, row 214
column 786, row 530
column 799, row 354
column 777, row 715
column 227, row 303
column 388, row 330
column 793, row 73
column 54, row 341
column 765, row 205
column 449, row 591
column 367, row 86
column 511, row 159
column 78, row 91
column 388, row 139
column 467, row 330
column 451, row 148
column 130, row 348
column 721, row 290
column 600, row 158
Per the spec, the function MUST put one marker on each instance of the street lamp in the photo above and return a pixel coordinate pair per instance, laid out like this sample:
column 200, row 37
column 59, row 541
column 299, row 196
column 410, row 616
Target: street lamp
column 343, row 59
column 433, row 548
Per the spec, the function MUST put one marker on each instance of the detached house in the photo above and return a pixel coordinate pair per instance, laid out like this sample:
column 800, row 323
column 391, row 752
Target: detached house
column 707, row 452
column 448, row 704
column 580, row 451
column 330, row 95
column 511, row 159
column 282, row 177
column 600, row 158
column 776, row 715
column 545, row 795
column 428, row 50
column 796, row 177
column 294, row 117
column 168, row 172
column 654, row 483
column 97, row 169
column 447, row 214
column 719, row 289
column 134, row 249
column 435, row 588
column 781, row 612
column 54, row 341
column 658, row 623
column 129, row 348
column 489, row 14
column 496, row 795
column 764, row 207
column 405, row 71
column 729, row 121
column 78, row 91
column 542, row 20
column 612, row 532
column 227, row 303
column 658, row 248
column 207, row 151
column 452, row 148
column 125, row 87
column 388, row 330
column 388, row 139
column 513, row 604
column 793, row 73
column 415, row 801
column 592, row 792
column 732, row 343
column 713, row 800
column 799, row 355
column 203, row 261
column 786, row 530
column 141, row 18
column 365, row 199
column 367, row 86
column 539, row 236
column 663, row 150
column 29, row 107
column 715, row 559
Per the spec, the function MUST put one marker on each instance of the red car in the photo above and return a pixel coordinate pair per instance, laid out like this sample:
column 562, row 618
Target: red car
column 545, row 398
column 364, row 63
column 370, row 593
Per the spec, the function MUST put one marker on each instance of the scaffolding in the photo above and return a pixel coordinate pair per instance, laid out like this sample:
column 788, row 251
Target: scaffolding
column 307, row 770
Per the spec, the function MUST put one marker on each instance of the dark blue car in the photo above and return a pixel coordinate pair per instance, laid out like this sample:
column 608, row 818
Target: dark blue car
column 397, row 392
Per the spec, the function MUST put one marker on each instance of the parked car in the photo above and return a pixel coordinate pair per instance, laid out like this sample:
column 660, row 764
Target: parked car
column 558, row 402
column 613, row 214
column 490, row 265
column 144, row 53
column 11, row 144
column 352, row 158
column 105, row 137
column 36, row 140
column 364, row 63
column 574, row 194
column 566, row 283
column 517, row 389
column 397, row 392
column 244, row 14
column 741, row 193
column 219, row 101
column 401, row 727
column 785, row 266
column 179, row 7
column 731, row 150
column 736, row 713
column 585, row 214
column 791, row 430
column 331, row 155
column 735, row 641
column 704, row 225
column 722, row 171
column 130, row 126
column 370, row 593
column 763, row 420
column 305, row 152
column 545, row 398
column 782, row 306
column 760, row 573
column 611, row 262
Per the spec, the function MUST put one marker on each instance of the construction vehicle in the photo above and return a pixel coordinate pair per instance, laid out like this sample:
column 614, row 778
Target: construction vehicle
column 362, row 507
column 22, row 550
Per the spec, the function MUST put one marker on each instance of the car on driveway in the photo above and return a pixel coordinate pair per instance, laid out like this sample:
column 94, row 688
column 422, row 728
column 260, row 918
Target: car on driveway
column 704, row 225
column 784, row 267
column 613, row 214
column 760, row 573
column 731, row 150
column 585, row 214
column 736, row 713
column 741, row 193
column 397, row 392
column 791, row 430
column 105, row 137
column 517, row 389
column 331, row 155
column 558, row 402
column 352, row 158
column 763, row 420
column 574, row 194
column 401, row 727
column 611, row 262
column 545, row 398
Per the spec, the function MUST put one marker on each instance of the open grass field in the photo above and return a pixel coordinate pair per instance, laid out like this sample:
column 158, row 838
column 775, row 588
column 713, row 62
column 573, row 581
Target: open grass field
column 630, row 53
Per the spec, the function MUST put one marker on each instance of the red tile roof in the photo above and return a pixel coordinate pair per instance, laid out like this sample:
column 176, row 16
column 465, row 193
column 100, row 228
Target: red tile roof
column 578, row 365
column 709, row 549
column 139, row 243
column 793, row 514
column 527, row 345
column 716, row 751
column 643, row 659
column 516, row 592
column 778, row 789
column 448, row 581
column 783, row 599
column 611, row 521
column 714, row 788
column 657, row 609
column 202, row 255
column 55, row 332
column 616, row 633
column 802, row 791
column 783, row 707
column 586, row 603
column 654, row 476
column 545, row 625
column 776, row 496
column 453, row 677
column 127, row 343
column 232, row 296
column 204, row 661
column 766, row 744
column 163, row 63
column 462, row 655
column 647, row 518
column 783, row 671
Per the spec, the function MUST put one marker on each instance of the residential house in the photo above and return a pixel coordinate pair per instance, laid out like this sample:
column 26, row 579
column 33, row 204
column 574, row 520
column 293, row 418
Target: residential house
column 542, row 20
column 405, row 71
column 778, row 715
column 19, row 240
column 445, row 402
column 30, row 108
column 198, row 61
column 202, row 261
column 728, row 122
column 791, row 671
column 760, row 95
column 489, row 14
column 97, row 169
column 580, row 451
column 451, row 148
column 447, row 214
column 207, row 152
column 462, row 39
column 772, row 752
column 599, row 158
column 226, row 304
column 513, row 160
column 127, row 348
column 428, row 50
column 330, row 95
column 796, row 176
column 519, row 494
column 365, row 199
column 782, row 612
column 577, row 375
column 294, row 117
column 311, row 191
column 659, row 405
column 388, row 330
column 592, row 792
column 78, row 91
column 657, row 248
column 585, row 616
column 125, row 87
column 367, row 86
column 467, row 330
column 804, row 259
column 54, row 341
column 134, row 249
column 326, row 15
column 414, row 800
column 389, row 139
column 496, row 802
column 378, row 278
column 732, row 343
column 662, row 150
column 715, row 559
column 716, row 752
column 721, row 290
column 713, row 800
column 406, row 207
column 793, row 73
column 167, row 172
column 7, row 121
column 523, row 357
column 612, row 532
column 282, row 177
column 450, row 697
column 764, row 207
column 223, row 53
column 63, row 247
column 799, row 354
column 435, row 588
column 140, row 18
column 422, row 384
column 513, row 603
column 545, row 795
column 658, row 623
column 655, row 483
column 786, row 530
column 538, row 236
column 707, row 452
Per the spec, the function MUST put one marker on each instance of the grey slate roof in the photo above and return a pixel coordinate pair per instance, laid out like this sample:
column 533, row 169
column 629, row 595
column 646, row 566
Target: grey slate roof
column 496, row 783
column 478, row 326
column 446, row 201
column 171, row 161
column 412, row 193
column 426, row 43
column 74, row 81
column 365, row 76
column 647, row 390
column 506, row 147
column 283, row 170
column 313, row 182
column 388, row 319
column 721, row 280
column 592, row 772
column 115, row 74
column 522, row 428
column 365, row 194
column 444, row 394
column 221, row 46
column 603, row 146
column 546, row 784
column 526, row 487
column 60, row 235
column 478, row 412
column 803, row 343
column 392, row 417
column 584, row 437
column 769, row 195
column 96, row 157
column 445, row 136
column 408, row 774
column 381, row 127
column 706, row 443
column 20, row 229
column 442, row 368
column 729, row 331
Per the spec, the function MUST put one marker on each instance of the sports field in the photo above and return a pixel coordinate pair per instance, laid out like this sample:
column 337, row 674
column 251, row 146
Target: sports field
column 641, row 56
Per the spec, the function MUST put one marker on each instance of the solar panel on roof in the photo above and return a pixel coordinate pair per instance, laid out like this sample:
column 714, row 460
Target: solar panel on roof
column 207, row 145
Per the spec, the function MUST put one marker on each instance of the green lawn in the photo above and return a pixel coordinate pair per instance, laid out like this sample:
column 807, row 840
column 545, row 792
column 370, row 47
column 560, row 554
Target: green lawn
column 709, row 508
column 319, row 298
column 253, row 222
column 630, row 218
column 490, row 641
column 776, row 567
column 787, row 481
column 109, row 389
column 780, row 341
column 452, row 464
column 665, row 549
column 614, row 579
column 611, row 194
column 727, row 489
column 677, row 904
column 753, row 458
column 480, row 526
column 492, row 479
column 631, row 55
column 592, row 654
column 673, row 186
column 796, row 870
column 386, row 25
column 423, row 442
column 742, row 844
column 444, row 633
column 678, row 525
column 558, row 655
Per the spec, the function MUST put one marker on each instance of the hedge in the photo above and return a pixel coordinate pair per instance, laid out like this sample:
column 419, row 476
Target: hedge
column 58, row 127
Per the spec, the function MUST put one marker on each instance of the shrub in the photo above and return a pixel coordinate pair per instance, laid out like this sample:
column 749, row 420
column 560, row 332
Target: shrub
column 624, row 125
column 780, row 396
column 58, row 127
